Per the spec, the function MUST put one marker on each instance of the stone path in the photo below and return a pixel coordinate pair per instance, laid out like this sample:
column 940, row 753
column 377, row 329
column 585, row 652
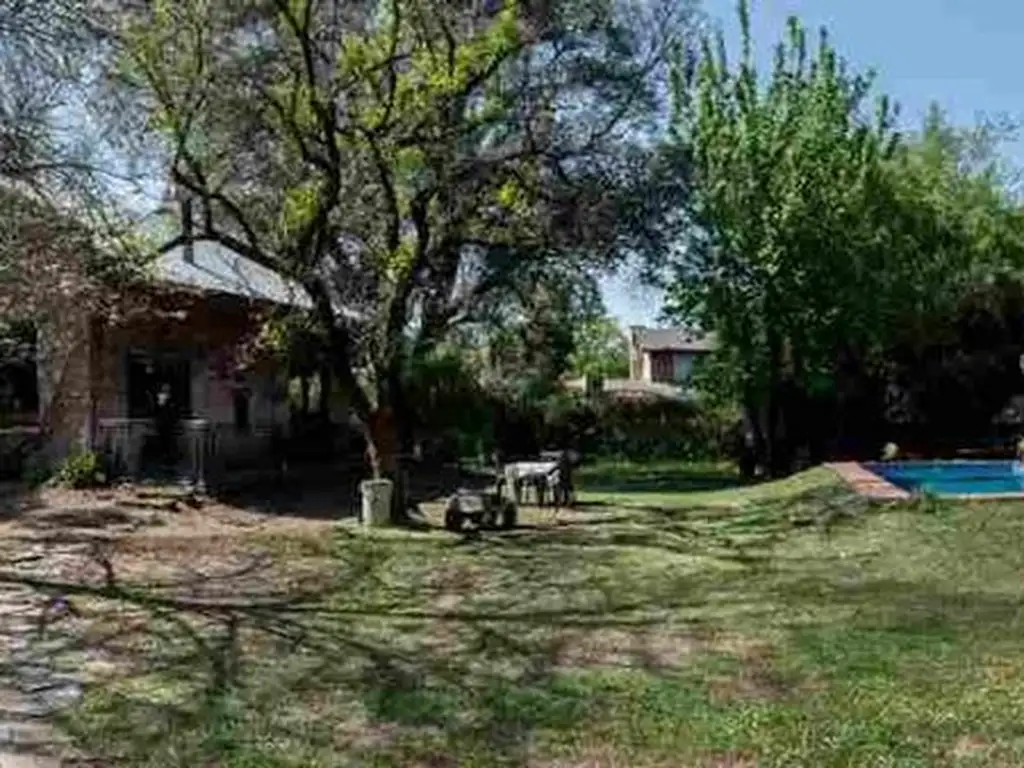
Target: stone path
column 32, row 688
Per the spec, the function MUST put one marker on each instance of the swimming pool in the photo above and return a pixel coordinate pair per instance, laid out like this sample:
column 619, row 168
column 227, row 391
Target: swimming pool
column 954, row 478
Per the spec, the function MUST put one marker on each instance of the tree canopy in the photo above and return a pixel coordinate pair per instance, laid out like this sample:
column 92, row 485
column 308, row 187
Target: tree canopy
column 816, row 232
column 403, row 159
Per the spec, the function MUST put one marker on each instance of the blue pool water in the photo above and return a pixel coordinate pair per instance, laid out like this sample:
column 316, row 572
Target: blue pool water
column 948, row 478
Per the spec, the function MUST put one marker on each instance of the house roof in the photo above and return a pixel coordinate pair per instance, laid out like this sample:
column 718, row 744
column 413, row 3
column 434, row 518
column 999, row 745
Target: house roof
column 674, row 340
column 654, row 389
column 218, row 269
column 632, row 388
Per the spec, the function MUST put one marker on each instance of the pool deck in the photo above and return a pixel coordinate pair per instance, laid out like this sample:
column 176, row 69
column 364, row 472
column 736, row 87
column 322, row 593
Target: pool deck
column 867, row 483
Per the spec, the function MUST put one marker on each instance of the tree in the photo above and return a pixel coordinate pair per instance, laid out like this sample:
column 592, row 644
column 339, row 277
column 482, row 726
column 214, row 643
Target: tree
column 401, row 159
column 64, row 243
column 813, row 233
column 955, row 358
column 781, row 256
column 530, row 328
column 600, row 349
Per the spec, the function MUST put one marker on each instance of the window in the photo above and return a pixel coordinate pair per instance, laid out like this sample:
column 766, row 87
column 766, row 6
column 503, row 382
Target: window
column 148, row 375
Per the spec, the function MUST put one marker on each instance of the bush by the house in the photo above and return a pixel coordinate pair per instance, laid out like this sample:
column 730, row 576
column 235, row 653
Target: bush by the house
column 645, row 429
column 81, row 470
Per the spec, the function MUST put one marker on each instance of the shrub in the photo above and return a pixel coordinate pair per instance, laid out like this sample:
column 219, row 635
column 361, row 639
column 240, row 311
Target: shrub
column 639, row 429
column 81, row 470
column 664, row 430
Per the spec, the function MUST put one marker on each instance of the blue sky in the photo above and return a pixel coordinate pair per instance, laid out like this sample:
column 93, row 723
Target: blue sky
column 963, row 54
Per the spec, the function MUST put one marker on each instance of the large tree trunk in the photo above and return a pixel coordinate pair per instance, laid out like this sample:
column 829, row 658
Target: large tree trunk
column 752, row 450
column 778, row 457
column 380, row 427
column 382, row 443
column 383, row 454
column 304, row 394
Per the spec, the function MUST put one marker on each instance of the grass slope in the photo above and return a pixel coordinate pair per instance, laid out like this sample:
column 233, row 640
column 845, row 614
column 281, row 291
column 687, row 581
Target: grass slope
column 670, row 621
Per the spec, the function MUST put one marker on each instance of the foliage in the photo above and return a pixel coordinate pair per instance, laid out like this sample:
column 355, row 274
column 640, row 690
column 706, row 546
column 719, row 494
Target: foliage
column 448, row 402
column 600, row 349
column 784, row 174
column 532, row 330
column 68, row 242
column 80, row 470
column 956, row 372
column 618, row 428
column 665, row 430
column 58, row 178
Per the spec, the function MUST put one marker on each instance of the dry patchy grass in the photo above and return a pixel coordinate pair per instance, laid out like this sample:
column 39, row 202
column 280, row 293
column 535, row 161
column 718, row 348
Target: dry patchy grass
column 778, row 625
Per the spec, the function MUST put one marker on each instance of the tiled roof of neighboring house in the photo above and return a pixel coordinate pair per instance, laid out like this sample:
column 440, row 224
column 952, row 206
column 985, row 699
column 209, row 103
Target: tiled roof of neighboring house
column 674, row 339
column 633, row 388
column 216, row 268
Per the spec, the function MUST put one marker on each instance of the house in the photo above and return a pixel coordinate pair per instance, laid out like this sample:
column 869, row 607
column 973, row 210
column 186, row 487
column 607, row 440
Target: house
column 661, row 362
column 160, row 387
column 666, row 355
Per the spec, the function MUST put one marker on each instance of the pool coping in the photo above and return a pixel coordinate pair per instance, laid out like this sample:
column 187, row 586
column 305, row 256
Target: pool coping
column 875, row 487
column 867, row 483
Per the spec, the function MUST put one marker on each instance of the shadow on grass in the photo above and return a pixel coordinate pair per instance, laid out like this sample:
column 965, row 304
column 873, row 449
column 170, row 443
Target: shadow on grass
column 484, row 651
column 667, row 479
column 332, row 492
column 16, row 498
column 426, row 669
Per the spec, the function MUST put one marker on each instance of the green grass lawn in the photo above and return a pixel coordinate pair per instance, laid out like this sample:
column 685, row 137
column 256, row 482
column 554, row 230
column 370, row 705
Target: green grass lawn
column 674, row 619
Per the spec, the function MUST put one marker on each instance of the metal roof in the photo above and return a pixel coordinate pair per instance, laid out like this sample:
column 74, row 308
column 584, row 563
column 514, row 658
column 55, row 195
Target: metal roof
column 218, row 269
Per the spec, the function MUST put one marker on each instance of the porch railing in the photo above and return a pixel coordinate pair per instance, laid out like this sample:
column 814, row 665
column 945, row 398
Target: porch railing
column 207, row 452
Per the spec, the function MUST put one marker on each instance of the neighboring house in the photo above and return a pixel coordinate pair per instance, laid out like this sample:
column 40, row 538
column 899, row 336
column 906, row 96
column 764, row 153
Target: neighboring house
column 661, row 362
column 158, row 390
column 666, row 355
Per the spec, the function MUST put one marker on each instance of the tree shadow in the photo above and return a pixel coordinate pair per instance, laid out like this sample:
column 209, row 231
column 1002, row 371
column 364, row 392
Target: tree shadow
column 202, row 666
column 674, row 479
column 404, row 652
column 16, row 498
column 330, row 492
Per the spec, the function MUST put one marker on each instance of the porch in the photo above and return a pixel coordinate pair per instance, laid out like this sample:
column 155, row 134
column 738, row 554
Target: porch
column 201, row 453
column 171, row 393
column 170, row 399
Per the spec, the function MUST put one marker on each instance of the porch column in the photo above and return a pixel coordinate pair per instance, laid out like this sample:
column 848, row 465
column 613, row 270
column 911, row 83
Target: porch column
column 198, row 438
column 64, row 378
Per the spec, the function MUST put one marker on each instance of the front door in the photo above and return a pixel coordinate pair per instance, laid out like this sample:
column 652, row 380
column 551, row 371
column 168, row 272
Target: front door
column 159, row 388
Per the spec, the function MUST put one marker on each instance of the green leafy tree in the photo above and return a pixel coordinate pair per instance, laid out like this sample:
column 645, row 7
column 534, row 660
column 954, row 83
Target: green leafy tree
column 401, row 159
column 600, row 349
column 954, row 356
column 813, row 231
column 530, row 329
column 782, row 255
